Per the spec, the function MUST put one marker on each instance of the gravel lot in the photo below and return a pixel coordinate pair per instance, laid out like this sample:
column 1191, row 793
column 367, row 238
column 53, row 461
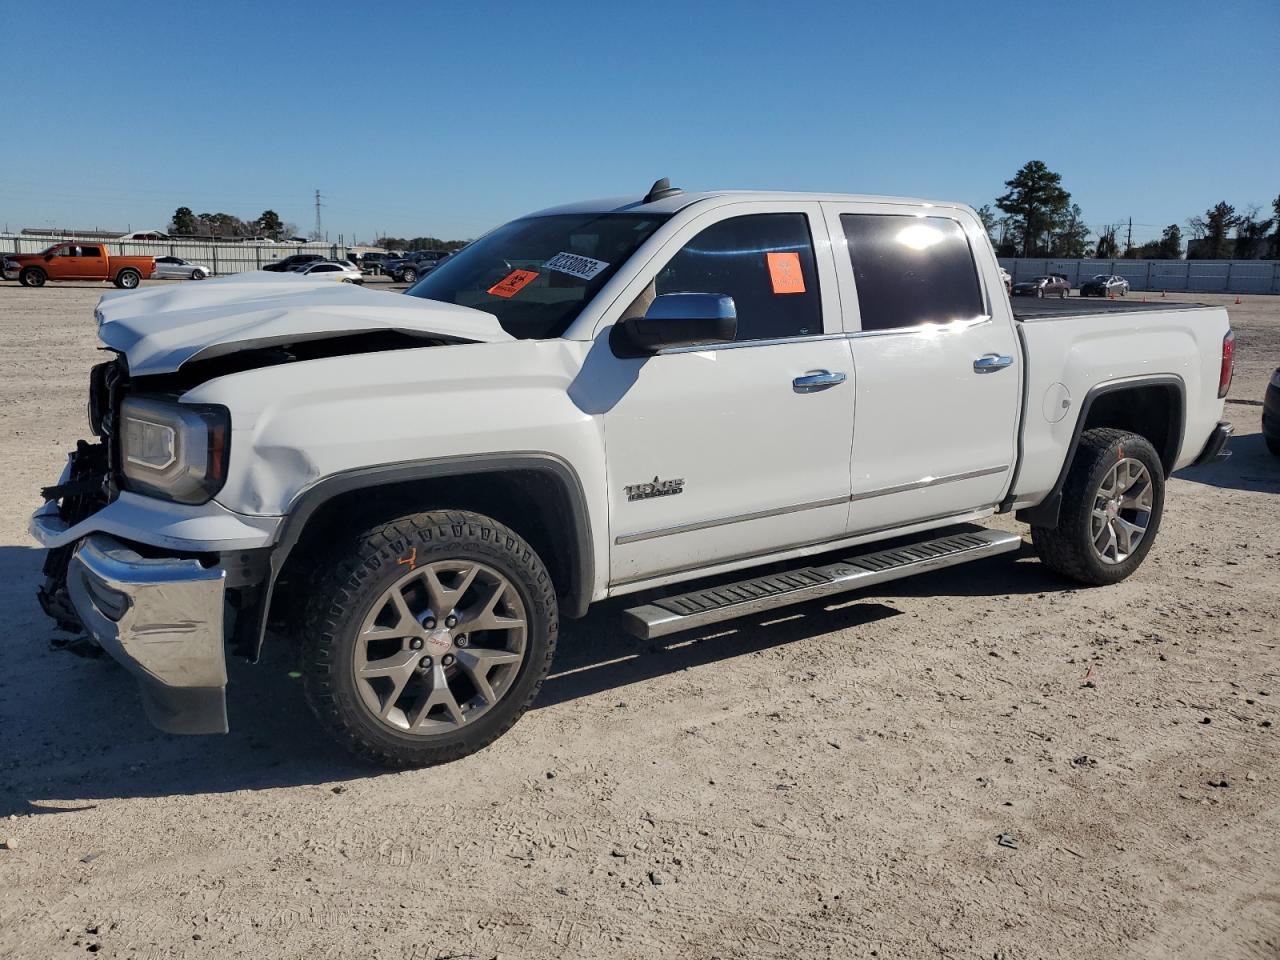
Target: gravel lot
column 829, row 782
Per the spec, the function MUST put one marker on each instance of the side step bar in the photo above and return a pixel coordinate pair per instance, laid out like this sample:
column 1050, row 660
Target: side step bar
column 701, row 607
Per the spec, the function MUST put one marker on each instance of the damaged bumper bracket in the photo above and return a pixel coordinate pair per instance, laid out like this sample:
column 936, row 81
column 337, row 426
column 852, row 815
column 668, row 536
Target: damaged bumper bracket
column 162, row 619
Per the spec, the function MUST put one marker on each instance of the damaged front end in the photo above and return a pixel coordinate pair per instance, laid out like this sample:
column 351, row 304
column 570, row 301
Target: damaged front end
column 86, row 486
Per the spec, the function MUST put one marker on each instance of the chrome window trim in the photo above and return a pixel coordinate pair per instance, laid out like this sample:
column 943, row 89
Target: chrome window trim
column 922, row 327
column 739, row 344
column 920, row 484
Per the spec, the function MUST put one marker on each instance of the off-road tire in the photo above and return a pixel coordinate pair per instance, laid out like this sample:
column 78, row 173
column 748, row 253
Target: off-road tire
column 1067, row 549
column 128, row 279
column 359, row 572
column 32, row 277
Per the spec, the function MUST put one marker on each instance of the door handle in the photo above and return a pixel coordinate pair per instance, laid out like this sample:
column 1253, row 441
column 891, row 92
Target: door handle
column 991, row 363
column 817, row 380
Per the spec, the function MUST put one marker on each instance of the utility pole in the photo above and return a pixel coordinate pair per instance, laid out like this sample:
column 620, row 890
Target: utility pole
column 319, row 233
column 1128, row 240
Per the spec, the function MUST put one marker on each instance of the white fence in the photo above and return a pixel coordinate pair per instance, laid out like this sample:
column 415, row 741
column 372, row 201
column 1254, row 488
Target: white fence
column 1175, row 276
column 221, row 257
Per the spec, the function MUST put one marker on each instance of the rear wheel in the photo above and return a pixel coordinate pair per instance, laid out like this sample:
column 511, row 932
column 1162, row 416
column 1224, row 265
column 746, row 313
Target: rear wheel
column 32, row 277
column 128, row 278
column 429, row 638
column 1112, row 503
column 1063, row 295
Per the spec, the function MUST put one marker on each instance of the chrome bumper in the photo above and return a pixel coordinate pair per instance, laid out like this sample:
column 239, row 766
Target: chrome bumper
column 162, row 619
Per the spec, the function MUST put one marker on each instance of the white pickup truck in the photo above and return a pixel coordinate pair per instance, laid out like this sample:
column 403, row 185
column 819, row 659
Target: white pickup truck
column 643, row 396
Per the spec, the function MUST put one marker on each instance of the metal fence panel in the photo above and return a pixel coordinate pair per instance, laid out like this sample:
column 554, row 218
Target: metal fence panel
column 1184, row 276
column 221, row 257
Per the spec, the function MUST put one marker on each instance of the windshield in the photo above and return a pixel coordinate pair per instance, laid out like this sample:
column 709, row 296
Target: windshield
column 536, row 275
column 1103, row 277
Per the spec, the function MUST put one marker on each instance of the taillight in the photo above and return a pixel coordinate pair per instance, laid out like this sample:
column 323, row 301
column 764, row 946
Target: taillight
column 1228, row 363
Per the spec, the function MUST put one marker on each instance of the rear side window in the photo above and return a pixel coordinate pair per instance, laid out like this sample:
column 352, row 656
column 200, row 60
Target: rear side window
column 765, row 262
column 90, row 251
column 911, row 270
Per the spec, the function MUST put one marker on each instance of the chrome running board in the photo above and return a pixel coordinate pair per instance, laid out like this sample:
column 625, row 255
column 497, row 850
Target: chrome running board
column 702, row 607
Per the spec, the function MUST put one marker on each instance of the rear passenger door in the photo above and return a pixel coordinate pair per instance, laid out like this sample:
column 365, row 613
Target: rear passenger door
column 937, row 376
column 91, row 264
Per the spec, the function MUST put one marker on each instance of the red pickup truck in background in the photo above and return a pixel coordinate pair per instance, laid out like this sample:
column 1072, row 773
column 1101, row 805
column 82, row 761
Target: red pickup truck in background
column 77, row 261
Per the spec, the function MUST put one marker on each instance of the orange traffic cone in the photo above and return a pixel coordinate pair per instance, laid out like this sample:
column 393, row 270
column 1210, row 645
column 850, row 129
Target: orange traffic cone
column 1162, row 294
column 1237, row 298
column 1111, row 296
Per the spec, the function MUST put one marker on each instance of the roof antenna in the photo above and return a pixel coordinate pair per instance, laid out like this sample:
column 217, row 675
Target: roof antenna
column 660, row 189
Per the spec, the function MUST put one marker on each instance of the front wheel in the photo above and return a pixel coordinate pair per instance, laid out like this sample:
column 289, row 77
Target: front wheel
column 428, row 638
column 1112, row 503
column 410, row 276
column 1062, row 295
column 198, row 274
column 32, row 277
column 128, row 279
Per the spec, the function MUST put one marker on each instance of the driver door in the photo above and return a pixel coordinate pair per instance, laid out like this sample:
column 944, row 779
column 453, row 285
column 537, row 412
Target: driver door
column 718, row 454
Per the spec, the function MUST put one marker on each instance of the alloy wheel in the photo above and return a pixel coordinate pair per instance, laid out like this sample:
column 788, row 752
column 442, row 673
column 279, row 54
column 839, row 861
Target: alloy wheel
column 1121, row 511
column 440, row 647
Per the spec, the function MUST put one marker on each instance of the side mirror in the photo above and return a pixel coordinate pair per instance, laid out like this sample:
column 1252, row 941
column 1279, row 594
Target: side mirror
column 680, row 320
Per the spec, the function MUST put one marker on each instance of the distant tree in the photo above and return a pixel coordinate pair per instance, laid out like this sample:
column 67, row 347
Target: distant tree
column 1275, row 237
column 1170, row 245
column 391, row 243
column 435, row 243
column 1071, row 238
column 989, row 220
column 1213, row 228
column 1251, row 232
column 1108, row 248
column 1037, row 203
column 183, row 222
column 270, row 224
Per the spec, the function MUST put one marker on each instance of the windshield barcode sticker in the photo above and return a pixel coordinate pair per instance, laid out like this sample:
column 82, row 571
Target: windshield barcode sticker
column 584, row 268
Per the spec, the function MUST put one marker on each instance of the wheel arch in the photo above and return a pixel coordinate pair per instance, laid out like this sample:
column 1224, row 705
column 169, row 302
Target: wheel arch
column 1153, row 407
column 539, row 495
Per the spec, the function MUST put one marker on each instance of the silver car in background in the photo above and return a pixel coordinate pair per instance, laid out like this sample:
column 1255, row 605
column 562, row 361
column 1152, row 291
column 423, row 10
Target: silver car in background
column 175, row 268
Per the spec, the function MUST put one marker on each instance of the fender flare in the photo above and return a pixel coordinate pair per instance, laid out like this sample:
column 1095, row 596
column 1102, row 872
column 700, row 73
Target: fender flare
column 1045, row 513
column 312, row 498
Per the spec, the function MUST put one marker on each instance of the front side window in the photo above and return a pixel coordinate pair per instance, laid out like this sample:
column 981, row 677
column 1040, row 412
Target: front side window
column 911, row 270
column 765, row 262
column 537, row 274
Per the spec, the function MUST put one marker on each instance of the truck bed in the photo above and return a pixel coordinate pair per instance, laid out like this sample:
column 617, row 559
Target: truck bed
column 1032, row 308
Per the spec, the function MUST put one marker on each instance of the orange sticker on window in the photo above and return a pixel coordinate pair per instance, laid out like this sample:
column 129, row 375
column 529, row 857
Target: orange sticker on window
column 513, row 283
column 785, row 272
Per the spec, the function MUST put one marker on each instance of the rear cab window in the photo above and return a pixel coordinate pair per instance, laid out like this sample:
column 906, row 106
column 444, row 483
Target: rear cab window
column 911, row 270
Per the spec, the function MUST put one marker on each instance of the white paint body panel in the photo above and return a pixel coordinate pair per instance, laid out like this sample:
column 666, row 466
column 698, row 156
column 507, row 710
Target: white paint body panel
column 725, row 419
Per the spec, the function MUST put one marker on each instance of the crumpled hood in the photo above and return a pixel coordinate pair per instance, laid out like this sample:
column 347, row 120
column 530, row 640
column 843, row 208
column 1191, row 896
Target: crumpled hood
column 161, row 328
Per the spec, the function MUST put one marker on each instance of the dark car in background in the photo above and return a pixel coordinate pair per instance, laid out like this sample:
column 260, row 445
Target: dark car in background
column 288, row 264
column 1271, row 414
column 376, row 263
column 417, row 263
column 1104, row 285
column 1051, row 285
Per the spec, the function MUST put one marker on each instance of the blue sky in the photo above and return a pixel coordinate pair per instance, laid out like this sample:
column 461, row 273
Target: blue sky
column 446, row 118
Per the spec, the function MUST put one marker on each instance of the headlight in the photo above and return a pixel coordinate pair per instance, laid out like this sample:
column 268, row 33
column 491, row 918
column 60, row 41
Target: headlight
column 174, row 450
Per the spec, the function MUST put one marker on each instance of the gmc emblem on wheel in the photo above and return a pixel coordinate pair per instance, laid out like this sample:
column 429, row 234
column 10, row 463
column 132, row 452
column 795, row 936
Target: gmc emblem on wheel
column 655, row 488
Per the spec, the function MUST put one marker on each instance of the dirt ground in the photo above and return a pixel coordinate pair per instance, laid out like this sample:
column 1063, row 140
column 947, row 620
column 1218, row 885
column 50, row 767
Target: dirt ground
column 829, row 781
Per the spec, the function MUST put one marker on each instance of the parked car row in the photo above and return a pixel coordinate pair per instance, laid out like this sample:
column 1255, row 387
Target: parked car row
column 312, row 264
column 403, row 268
column 1056, row 285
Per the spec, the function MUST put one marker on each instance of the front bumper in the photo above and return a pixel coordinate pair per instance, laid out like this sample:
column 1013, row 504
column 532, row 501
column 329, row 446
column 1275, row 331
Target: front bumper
column 1215, row 450
column 162, row 619
column 11, row 273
